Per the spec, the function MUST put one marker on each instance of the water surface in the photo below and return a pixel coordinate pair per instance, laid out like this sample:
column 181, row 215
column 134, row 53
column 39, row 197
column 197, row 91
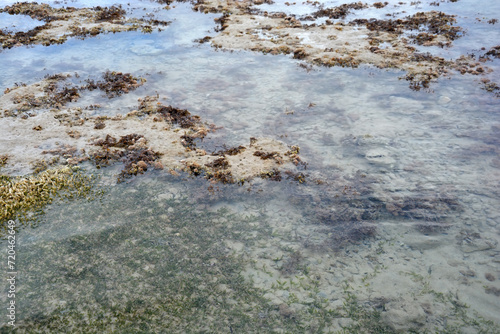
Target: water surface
column 167, row 254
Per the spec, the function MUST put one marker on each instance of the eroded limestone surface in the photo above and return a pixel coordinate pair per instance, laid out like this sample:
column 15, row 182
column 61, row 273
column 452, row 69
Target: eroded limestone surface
column 61, row 23
column 384, row 43
column 41, row 132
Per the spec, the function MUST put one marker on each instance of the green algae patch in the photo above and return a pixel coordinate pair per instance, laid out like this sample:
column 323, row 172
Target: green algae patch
column 21, row 197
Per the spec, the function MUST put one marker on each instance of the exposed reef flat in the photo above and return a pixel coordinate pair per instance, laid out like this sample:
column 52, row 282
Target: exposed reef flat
column 42, row 131
column 325, row 37
column 61, row 23
column 384, row 43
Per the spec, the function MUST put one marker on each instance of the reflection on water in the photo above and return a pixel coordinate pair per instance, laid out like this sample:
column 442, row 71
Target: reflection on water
column 15, row 23
column 395, row 229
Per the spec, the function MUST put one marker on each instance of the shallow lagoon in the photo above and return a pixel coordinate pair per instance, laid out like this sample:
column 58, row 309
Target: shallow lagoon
column 165, row 254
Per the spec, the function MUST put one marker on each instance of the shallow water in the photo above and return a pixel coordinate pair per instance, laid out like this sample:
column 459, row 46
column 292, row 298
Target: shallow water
column 14, row 23
column 164, row 254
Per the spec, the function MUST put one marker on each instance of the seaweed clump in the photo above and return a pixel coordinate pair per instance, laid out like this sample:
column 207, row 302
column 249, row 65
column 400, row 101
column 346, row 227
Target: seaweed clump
column 230, row 150
column 194, row 128
column 130, row 149
column 115, row 83
column 109, row 13
column 270, row 155
column 273, row 175
column 218, row 163
column 222, row 176
column 339, row 12
column 175, row 116
column 57, row 97
column 353, row 215
column 423, row 208
column 178, row 116
column 3, row 159
column 29, row 37
column 218, row 171
column 429, row 24
column 493, row 52
column 296, row 176
column 491, row 87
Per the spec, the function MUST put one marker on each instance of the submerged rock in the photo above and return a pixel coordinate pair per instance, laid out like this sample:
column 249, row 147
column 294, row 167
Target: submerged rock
column 146, row 48
column 404, row 316
column 477, row 245
column 380, row 157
